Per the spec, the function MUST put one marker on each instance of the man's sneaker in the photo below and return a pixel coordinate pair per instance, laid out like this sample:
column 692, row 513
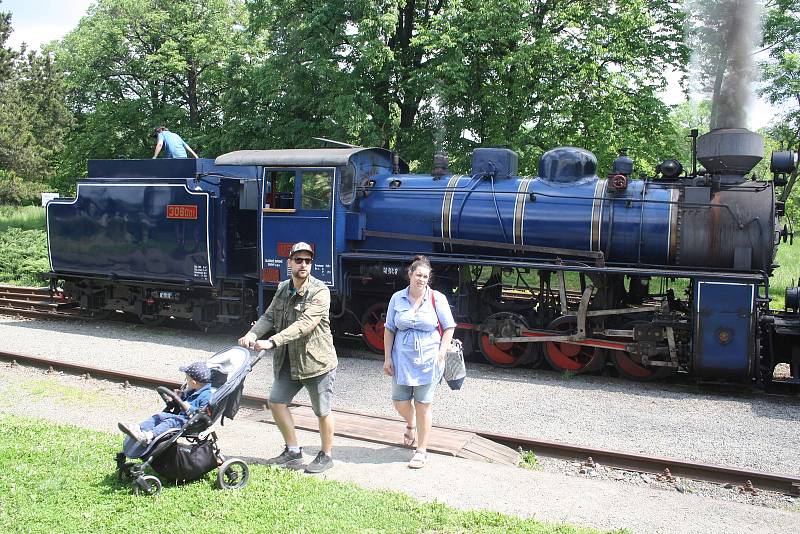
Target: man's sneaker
column 321, row 463
column 288, row 459
column 135, row 432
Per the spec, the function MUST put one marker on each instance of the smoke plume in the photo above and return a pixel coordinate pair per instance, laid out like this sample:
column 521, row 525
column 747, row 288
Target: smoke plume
column 733, row 93
column 727, row 33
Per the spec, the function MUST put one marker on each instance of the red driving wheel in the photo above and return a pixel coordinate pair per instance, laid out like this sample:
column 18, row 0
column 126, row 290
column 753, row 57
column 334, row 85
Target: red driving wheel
column 372, row 326
column 572, row 357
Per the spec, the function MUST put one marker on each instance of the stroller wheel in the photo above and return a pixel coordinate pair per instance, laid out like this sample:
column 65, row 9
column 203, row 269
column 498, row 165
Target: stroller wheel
column 233, row 474
column 147, row 485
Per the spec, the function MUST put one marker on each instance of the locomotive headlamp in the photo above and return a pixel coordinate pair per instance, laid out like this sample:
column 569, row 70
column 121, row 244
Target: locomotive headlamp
column 783, row 162
column 670, row 168
column 724, row 335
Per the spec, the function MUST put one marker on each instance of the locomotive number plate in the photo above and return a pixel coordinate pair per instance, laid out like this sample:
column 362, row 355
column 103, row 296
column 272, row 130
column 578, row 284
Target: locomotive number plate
column 179, row 211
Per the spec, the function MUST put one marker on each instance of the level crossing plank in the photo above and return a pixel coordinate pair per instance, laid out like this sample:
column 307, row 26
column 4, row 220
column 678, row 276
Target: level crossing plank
column 382, row 429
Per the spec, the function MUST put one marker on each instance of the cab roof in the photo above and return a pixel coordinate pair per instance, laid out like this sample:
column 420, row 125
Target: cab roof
column 302, row 157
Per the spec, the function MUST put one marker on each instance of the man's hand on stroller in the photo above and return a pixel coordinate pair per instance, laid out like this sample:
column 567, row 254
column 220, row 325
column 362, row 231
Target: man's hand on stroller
column 263, row 344
column 249, row 341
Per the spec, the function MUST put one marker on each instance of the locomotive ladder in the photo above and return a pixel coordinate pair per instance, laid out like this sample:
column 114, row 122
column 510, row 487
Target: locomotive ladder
column 229, row 305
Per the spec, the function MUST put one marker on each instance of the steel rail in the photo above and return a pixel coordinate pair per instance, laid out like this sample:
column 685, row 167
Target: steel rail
column 622, row 460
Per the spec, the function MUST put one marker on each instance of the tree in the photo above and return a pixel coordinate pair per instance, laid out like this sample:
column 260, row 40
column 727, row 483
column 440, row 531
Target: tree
column 417, row 76
column 33, row 118
column 7, row 55
column 135, row 64
column 781, row 73
column 535, row 74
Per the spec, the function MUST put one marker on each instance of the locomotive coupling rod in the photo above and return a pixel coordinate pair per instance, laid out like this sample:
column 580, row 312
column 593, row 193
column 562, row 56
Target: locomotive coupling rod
column 577, row 340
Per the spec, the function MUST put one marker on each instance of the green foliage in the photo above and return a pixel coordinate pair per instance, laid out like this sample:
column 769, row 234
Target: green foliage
column 528, row 460
column 33, row 118
column 136, row 64
column 456, row 75
column 15, row 190
column 6, row 54
column 23, row 254
column 787, row 275
column 57, row 478
column 781, row 72
column 23, row 217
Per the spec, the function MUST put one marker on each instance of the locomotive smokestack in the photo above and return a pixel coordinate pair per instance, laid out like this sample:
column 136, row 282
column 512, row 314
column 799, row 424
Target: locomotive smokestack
column 730, row 153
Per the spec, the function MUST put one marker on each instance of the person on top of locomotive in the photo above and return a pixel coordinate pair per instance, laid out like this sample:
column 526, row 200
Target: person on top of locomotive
column 174, row 145
column 304, row 356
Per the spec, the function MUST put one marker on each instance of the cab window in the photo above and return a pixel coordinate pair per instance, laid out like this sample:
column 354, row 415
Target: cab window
column 316, row 190
column 279, row 189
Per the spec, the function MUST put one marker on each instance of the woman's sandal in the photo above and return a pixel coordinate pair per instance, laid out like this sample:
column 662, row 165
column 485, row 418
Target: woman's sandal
column 419, row 460
column 410, row 436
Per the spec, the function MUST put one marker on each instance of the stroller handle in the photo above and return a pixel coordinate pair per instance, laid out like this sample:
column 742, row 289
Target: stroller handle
column 260, row 355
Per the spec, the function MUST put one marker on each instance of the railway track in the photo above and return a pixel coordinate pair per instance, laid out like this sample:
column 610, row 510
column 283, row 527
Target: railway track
column 34, row 302
column 758, row 480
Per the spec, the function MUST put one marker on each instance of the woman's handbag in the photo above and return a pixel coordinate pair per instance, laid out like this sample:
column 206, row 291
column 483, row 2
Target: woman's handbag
column 454, row 369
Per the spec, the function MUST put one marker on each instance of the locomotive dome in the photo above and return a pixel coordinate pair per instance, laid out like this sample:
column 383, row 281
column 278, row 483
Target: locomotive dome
column 567, row 164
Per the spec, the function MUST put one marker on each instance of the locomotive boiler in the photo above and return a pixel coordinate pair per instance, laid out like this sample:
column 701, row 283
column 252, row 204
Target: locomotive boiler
column 654, row 276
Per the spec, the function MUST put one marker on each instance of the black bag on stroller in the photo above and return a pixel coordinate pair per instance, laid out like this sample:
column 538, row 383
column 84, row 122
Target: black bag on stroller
column 186, row 462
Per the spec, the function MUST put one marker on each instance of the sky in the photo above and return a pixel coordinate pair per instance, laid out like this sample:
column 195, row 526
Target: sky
column 36, row 22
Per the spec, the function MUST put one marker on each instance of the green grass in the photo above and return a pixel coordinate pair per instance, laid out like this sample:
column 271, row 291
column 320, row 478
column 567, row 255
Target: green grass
column 57, row 478
column 60, row 394
column 23, row 217
column 528, row 460
column 787, row 274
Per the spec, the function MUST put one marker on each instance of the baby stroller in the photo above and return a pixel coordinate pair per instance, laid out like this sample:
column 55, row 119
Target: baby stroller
column 196, row 454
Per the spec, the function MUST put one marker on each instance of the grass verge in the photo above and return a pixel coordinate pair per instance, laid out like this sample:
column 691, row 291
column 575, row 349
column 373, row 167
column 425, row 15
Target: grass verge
column 56, row 478
column 23, row 217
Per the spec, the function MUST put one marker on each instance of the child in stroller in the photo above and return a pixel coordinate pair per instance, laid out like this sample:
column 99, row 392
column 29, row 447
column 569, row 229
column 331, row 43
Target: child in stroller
column 197, row 452
column 193, row 397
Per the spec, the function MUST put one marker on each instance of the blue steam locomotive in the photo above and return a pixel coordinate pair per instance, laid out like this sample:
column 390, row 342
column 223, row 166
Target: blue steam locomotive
column 656, row 276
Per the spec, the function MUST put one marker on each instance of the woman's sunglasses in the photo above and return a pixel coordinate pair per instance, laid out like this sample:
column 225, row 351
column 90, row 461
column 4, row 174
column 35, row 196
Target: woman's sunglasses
column 300, row 261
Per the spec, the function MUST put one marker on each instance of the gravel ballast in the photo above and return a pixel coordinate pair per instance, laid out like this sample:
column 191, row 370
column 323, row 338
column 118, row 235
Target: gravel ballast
column 750, row 431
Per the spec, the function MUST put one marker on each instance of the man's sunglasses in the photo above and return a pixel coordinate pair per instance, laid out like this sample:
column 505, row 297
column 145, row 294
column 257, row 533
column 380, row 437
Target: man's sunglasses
column 300, row 261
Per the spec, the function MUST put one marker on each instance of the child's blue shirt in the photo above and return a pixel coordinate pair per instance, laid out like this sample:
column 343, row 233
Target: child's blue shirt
column 197, row 399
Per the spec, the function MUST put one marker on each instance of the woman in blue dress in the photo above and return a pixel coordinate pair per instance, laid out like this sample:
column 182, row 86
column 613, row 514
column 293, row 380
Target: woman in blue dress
column 414, row 353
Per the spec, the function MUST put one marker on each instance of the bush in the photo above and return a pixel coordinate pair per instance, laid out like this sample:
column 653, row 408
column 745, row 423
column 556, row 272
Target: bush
column 23, row 254
column 15, row 190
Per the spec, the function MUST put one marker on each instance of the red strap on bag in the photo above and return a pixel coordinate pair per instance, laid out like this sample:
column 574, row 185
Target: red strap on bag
column 438, row 324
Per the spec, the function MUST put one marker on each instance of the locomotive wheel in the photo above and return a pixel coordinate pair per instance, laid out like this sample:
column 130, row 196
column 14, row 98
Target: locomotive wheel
column 372, row 326
column 570, row 356
column 505, row 324
column 629, row 365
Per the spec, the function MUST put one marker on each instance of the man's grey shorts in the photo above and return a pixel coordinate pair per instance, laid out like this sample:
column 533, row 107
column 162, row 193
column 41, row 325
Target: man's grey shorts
column 320, row 389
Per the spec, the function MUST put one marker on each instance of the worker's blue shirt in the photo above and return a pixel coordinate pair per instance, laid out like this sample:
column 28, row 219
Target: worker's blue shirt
column 173, row 144
column 416, row 336
column 198, row 399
